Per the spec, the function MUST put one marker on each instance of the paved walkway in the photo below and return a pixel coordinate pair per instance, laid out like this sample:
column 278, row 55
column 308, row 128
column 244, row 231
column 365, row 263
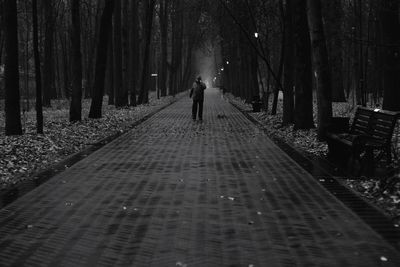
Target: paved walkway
column 173, row 192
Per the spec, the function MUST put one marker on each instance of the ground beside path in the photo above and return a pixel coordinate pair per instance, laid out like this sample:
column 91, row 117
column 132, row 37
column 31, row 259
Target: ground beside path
column 173, row 192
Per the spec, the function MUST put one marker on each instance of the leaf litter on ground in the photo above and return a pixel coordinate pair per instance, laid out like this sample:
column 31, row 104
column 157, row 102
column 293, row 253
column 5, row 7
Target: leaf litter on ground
column 23, row 156
column 306, row 140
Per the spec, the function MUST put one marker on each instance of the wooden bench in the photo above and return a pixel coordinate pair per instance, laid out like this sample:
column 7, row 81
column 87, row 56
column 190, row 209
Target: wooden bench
column 371, row 131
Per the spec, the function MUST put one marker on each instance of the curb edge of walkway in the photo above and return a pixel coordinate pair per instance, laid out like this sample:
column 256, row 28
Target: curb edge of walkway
column 12, row 192
column 370, row 214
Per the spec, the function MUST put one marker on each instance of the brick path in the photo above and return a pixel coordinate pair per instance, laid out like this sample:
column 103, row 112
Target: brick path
column 173, row 192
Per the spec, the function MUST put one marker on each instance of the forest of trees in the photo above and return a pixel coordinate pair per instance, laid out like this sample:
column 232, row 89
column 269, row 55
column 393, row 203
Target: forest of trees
column 342, row 50
column 74, row 49
column 335, row 51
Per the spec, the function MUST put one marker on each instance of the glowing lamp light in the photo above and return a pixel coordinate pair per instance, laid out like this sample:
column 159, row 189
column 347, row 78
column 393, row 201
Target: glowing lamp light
column 227, row 62
column 256, row 34
column 222, row 69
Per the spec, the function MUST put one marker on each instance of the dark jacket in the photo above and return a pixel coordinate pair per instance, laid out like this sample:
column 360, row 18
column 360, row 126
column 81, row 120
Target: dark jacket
column 197, row 91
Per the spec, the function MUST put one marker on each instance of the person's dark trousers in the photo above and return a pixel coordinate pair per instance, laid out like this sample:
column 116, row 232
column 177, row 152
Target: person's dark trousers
column 197, row 104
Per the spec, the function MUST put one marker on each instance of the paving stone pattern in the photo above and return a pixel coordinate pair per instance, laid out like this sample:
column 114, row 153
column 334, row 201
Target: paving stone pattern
column 173, row 192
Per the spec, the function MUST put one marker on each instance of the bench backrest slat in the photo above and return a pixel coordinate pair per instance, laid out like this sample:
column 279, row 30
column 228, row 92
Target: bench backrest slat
column 361, row 120
column 379, row 124
column 382, row 125
column 359, row 130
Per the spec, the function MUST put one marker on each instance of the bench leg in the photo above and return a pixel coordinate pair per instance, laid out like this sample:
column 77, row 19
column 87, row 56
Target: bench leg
column 369, row 161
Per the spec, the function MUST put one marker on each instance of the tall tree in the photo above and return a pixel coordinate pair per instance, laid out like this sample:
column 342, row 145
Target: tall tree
column 176, row 45
column 333, row 21
column 391, row 39
column 144, row 90
column 101, row 59
column 321, row 66
column 110, row 70
column 75, row 111
column 48, row 67
column 303, row 115
column 133, row 68
column 38, row 76
column 11, row 71
column 278, row 86
column 288, row 73
column 120, row 96
column 125, row 52
column 1, row 31
column 164, row 46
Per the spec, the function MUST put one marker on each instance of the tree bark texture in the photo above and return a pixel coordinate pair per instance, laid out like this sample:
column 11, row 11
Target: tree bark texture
column 279, row 74
column 176, row 49
column 101, row 59
column 38, row 75
column 164, row 46
column 321, row 66
column 125, row 51
column 48, row 66
column 11, row 71
column 391, row 39
column 145, row 84
column 288, row 69
column 333, row 18
column 120, row 95
column 110, row 69
column 134, row 50
column 303, row 113
column 75, row 110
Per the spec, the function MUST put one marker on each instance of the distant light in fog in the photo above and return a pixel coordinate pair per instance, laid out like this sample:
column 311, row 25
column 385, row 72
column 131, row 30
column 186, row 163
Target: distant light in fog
column 227, row 62
column 256, row 34
column 222, row 69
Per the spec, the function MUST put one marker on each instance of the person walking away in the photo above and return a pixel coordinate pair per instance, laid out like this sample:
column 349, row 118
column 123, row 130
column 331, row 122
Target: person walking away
column 197, row 95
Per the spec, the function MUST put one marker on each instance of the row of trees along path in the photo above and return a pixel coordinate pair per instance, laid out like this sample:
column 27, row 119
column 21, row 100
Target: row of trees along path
column 91, row 48
column 274, row 46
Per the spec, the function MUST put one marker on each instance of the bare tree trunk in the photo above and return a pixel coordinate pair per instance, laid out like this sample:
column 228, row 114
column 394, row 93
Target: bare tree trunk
column 125, row 52
column 75, row 111
column 120, row 95
column 48, row 53
column 390, row 34
column 133, row 51
column 174, row 32
column 188, row 62
column 180, row 52
column 38, row 76
column 279, row 75
column 357, row 52
column 303, row 115
column 144, row 90
column 110, row 70
column 164, row 46
column 11, row 71
column 288, row 73
column 333, row 18
column 321, row 66
column 1, row 31
column 176, row 50
column 64, row 53
column 101, row 59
